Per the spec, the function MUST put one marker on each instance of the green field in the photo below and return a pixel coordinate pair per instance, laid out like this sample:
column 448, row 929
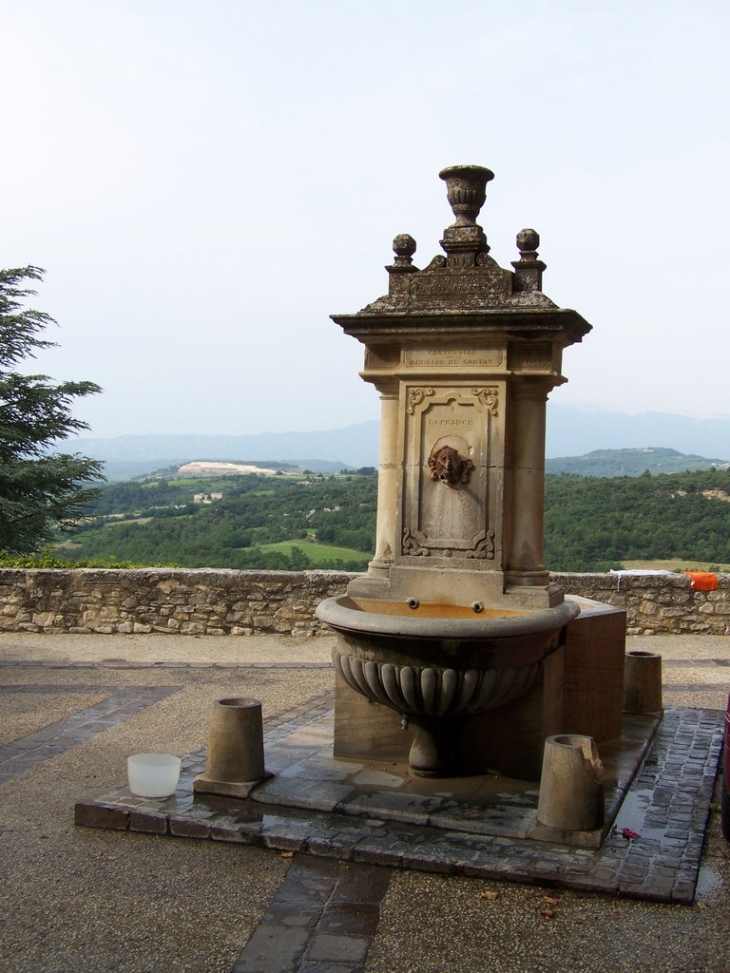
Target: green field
column 319, row 553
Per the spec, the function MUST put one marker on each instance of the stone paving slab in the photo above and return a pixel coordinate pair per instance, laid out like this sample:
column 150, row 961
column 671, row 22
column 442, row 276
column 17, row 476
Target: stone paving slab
column 652, row 851
column 20, row 755
column 321, row 920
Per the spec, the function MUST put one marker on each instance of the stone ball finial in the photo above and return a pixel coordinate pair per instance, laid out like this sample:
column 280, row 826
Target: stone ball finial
column 528, row 241
column 404, row 246
column 466, row 191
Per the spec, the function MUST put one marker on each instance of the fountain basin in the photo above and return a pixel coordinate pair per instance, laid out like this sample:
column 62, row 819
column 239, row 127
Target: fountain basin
column 436, row 664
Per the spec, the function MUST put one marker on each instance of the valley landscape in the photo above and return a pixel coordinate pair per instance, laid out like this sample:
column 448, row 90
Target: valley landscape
column 223, row 502
column 293, row 519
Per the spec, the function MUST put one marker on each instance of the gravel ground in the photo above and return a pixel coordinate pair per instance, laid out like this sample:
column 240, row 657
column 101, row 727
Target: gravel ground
column 433, row 924
column 74, row 899
column 149, row 649
column 79, row 900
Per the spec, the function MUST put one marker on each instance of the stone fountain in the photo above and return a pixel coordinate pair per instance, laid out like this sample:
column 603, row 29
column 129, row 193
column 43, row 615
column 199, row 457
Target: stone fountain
column 456, row 656
column 454, row 649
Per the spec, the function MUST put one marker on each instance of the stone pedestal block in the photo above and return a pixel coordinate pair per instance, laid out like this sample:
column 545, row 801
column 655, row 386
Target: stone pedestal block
column 643, row 682
column 368, row 730
column 571, row 788
column 235, row 760
column 593, row 689
column 508, row 740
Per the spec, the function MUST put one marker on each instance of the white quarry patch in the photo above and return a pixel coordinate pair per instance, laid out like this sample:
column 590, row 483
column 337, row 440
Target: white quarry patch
column 205, row 467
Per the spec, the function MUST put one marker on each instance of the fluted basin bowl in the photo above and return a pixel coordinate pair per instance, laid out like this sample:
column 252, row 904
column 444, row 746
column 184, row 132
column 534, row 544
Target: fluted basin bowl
column 435, row 663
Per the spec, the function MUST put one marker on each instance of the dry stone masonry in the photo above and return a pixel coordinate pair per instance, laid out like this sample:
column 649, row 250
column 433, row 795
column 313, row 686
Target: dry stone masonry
column 212, row 602
column 178, row 602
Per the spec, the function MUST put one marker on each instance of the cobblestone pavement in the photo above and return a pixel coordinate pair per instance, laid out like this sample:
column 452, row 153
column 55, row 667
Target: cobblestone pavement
column 99, row 899
column 360, row 813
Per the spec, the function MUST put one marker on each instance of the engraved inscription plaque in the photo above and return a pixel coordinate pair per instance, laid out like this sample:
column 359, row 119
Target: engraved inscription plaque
column 476, row 287
column 452, row 358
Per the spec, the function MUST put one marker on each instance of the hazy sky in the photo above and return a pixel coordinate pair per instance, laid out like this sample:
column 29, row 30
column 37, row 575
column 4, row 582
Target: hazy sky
column 206, row 181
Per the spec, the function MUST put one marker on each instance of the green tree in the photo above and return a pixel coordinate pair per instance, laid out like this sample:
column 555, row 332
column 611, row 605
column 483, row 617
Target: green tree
column 39, row 489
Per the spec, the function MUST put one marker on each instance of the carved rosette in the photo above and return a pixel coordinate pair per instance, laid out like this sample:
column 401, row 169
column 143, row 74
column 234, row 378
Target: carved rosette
column 489, row 398
column 428, row 691
column 416, row 396
column 413, row 543
column 484, row 548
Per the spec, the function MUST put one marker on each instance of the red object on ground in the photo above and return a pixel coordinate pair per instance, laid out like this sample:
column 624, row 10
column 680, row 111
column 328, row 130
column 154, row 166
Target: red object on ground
column 703, row 580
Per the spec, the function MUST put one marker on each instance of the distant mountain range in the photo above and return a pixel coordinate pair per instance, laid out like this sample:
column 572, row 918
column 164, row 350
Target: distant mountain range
column 322, row 452
column 571, row 433
column 631, row 462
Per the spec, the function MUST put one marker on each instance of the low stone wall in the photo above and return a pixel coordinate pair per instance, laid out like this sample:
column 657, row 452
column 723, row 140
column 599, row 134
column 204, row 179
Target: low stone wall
column 212, row 602
column 658, row 604
column 178, row 602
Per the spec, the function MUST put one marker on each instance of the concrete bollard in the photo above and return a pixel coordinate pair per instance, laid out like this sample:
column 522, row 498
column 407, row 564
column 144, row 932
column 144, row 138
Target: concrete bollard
column 571, row 786
column 235, row 760
column 643, row 682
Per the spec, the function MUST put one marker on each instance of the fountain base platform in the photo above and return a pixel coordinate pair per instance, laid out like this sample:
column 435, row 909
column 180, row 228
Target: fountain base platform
column 660, row 776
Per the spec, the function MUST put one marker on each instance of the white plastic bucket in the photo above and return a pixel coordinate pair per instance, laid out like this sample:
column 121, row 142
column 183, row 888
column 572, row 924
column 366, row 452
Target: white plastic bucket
column 153, row 774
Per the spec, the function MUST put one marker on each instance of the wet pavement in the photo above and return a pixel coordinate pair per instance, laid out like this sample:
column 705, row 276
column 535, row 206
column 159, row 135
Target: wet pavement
column 251, row 899
column 321, row 920
column 378, row 813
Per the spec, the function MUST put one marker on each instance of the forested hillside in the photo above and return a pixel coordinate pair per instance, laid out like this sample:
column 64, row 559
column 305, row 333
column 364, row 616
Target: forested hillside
column 158, row 522
column 594, row 524
column 291, row 523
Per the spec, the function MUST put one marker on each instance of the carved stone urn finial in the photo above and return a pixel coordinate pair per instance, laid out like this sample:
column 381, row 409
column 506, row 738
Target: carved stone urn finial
column 466, row 191
column 404, row 246
column 529, row 268
column 528, row 240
